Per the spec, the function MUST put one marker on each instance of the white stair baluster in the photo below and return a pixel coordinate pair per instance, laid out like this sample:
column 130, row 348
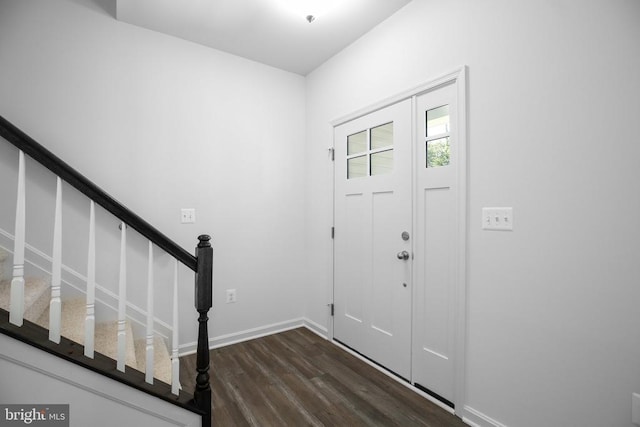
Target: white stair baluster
column 149, row 352
column 89, row 324
column 175, row 361
column 16, row 306
column 122, row 300
column 55, row 305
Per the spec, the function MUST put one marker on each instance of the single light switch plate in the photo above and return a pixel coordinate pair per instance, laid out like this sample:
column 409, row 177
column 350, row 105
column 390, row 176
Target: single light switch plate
column 635, row 408
column 497, row 219
column 188, row 216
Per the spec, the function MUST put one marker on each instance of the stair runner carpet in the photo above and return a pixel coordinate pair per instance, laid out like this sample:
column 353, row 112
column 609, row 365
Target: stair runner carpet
column 37, row 296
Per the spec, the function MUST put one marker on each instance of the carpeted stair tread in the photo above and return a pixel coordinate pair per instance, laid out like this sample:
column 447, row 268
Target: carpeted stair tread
column 36, row 297
column 107, row 342
column 106, row 333
column 3, row 256
column 161, row 358
column 5, row 289
column 73, row 315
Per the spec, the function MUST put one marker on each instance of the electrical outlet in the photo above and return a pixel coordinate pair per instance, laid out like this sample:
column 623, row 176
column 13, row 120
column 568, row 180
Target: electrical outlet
column 497, row 219
column 187, row 216
column 231, row 296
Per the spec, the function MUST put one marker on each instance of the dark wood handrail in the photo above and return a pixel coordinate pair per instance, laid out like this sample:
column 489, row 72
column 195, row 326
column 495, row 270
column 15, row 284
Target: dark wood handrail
column 56, row 165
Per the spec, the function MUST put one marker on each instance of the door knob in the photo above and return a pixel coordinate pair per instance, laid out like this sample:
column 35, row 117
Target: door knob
column 403, row 255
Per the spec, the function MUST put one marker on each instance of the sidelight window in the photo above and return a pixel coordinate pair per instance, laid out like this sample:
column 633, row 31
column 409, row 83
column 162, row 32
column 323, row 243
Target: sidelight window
column 437, row 137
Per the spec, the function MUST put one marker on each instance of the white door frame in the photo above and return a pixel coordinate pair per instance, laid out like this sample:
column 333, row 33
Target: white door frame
column 458, row 78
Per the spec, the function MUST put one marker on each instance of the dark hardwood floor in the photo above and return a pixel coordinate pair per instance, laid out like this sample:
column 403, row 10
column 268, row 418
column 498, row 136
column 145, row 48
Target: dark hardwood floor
column 296, row 378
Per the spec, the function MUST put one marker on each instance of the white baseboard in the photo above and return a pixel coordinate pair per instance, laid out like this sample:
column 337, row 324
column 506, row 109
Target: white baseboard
column 316, row 328
column 476, row 418
column 253, row 333
column 246, row 335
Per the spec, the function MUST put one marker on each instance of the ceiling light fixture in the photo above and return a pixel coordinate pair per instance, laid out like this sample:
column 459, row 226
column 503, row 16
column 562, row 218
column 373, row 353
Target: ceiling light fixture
column 310, row 10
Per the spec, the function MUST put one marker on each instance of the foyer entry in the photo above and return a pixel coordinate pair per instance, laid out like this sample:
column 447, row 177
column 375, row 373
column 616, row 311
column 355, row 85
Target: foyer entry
column 400, row 221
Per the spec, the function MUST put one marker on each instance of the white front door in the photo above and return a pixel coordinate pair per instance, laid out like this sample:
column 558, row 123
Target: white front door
column 400, row 174
column 372, row 283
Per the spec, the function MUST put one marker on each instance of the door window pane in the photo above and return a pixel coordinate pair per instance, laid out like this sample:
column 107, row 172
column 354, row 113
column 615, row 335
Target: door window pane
column 357, row 167
column 438, row 121
column 438, row 152
column 382, row 136
column 357, row 143
column 370, row 152
column 382, row 162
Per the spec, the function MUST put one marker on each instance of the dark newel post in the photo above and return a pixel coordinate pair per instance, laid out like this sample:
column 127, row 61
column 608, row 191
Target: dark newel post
column 203, row 300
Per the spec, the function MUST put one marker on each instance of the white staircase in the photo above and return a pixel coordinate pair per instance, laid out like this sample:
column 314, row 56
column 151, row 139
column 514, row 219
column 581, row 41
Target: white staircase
column 37, row 295
column 79, row 328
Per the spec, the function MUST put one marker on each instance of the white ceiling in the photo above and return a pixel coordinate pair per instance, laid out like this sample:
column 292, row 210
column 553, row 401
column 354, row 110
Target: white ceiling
column 273, row 32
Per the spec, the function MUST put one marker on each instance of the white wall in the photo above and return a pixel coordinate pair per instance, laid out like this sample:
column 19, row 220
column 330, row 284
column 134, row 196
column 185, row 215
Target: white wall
column 554, row 94
column 38, row 378
column 162, row 124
